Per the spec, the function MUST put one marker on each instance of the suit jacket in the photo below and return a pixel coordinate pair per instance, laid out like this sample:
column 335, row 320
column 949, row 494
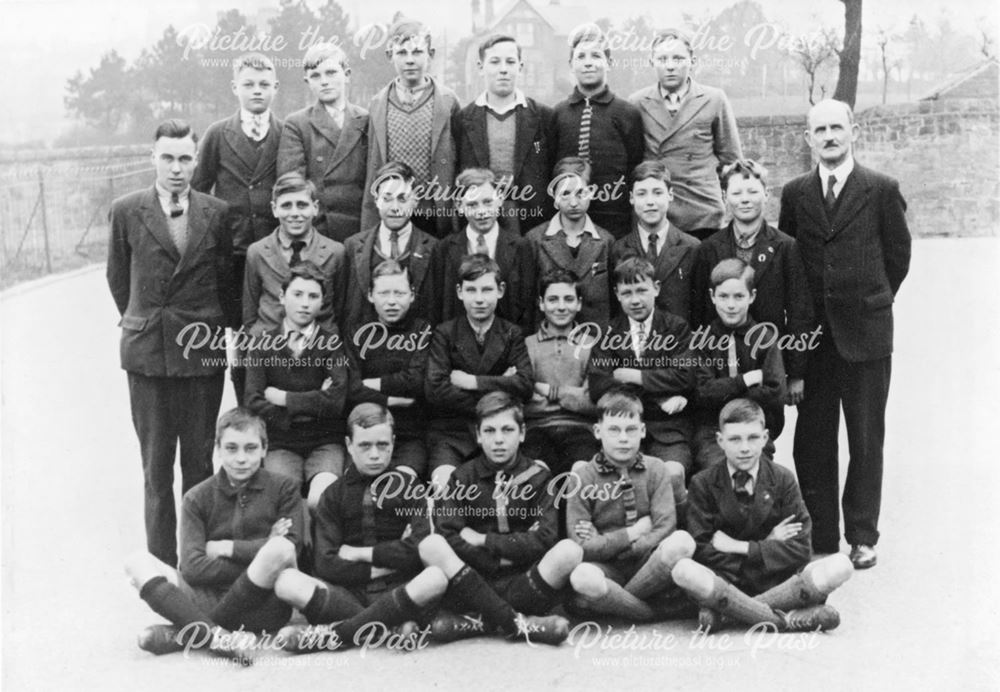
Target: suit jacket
column 334, row 160
column 854, row 261
column 445, row 261
column 674, row 268
column 231, row 169
column 442, row 154
column 693, row 142
column 779, row 279
column 162, row 295
column 534, row 156
column 360, row 249
column 713, row 506
column 267, row 269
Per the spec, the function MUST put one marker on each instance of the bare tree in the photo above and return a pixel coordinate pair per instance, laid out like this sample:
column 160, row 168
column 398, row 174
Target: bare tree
column 883, row 40
column 811, row 53
column 850, row 54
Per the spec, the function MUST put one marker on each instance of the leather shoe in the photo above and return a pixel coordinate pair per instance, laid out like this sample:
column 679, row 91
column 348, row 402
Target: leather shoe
column 863, row 556
column 822, row 618
column 550, row 629
column 160, row 639
column 451, row 627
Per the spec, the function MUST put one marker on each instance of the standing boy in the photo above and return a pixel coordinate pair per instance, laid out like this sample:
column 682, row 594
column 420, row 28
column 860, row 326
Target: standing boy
column 327, row 142
column 471, row 355
column 752, row 532
column 691, row 128
column 170, row 266
column 507, row 132
column 599, row 127
column 670, row 250
column 410, row 121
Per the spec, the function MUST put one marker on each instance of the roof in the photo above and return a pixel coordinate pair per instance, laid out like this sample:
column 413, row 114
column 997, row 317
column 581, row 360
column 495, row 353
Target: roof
column 979, row 81
column 562, row 18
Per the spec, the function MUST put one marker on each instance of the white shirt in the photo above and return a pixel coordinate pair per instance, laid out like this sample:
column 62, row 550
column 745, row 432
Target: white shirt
column 661, row 238
column 840, row 172
column 246, row 120
column 491, row 238
column 519, row 100
column 752, row 483
column 164, row 197
column 336, row 113
column 297, row 345
column 385, row 247
column 555, row 225
column 640, row 337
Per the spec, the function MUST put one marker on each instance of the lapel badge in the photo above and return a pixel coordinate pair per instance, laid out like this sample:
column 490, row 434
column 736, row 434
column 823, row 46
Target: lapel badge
column 538, row 147
column 761, row 257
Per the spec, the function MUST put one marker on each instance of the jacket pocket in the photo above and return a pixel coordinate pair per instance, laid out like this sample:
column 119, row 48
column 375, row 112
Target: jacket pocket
column 879, row 300
column 134, row 323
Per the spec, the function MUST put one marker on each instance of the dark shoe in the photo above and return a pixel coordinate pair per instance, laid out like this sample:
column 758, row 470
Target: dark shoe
column 822, row 618
column 708, row 620
column 863, row 556
column 160, row 639
column 550, row 629
column 308, row 639
column 238, row 647
column 449, row 627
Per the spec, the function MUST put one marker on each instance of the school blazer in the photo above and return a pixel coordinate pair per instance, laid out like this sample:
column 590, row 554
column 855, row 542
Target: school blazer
column 442, row 154
column 779, row 278
column 534, row 156
column 673, row 268
column 692, row 143
column 856, row 260
column 226, row 169
column 360, row 249
column 713, row 506
column 335, row 161
column 159, row 293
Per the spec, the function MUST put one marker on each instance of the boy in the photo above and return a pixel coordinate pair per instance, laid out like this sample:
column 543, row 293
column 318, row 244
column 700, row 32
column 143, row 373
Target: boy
column 478, row 202
column 622, row 513
column 782, row 292
column 560, row 412
column 391, row 355
column 368, row 569
column 509, row 133
column 496, row 539
column 671, row 251
column 270, row 259
column 691, row 129
column 239, row 531
column 571, row 241
column 752, row 533
column 647, row 350
column 169, row 266
column 236, row 163
column 327, row 142
column 299, row 381
column 411, row 122
column 737, row 358
column 599, row 127
column 395, row 238
column 471, row 355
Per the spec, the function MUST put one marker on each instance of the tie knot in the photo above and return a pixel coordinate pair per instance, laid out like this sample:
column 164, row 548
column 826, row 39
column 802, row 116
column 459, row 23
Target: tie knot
column 175, row 198
column 297, row 245
column 654, row 238
column 741, row 478
column 394, row 235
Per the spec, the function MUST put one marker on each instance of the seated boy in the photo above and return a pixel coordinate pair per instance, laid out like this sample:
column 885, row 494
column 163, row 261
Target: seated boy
column 391, row 357
column 647, row 350
column 779, row 274
column 327, row 142
column 471, row 355
column 496, row 535
column 394, row 238
column 367, row 567
column 239, row 530
column 270, row 259
column 736, row 358
column 670, row 250
column 621, row 511
column 560, row 413
column 570, row 241
column 752, row 533
column 299, row 381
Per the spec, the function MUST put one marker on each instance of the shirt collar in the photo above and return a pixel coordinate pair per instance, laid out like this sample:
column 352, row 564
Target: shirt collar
column 604, row 466
column 555, row 225
column 287, row 327
column 681, row 92
column 288, row 245
column 223, row 483
column 730, row 469
column 164, row 196
column 404, row 233
column 486, row 469
column 602, row 96
column 247, row 117
column 841, row 172
column 490, row 237
column 519, row 100
column 665, row 237
column 488, row 327
column 751, row 239
column 647, row 324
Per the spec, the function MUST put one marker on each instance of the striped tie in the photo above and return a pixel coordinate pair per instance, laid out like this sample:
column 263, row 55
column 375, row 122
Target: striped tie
column 628, row 498
column 588, row 111
column 393, row 244
column 734, row 363
column 500, row 496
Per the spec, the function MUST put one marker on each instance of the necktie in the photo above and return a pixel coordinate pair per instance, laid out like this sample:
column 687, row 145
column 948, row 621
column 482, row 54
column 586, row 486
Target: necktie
column 393, row 244
column 295, row 342
column 740, row 480
column 628, row 497
column 640, row 340
column 831, row 197
column 256, row 127
column 734, row 364
column 584, row 144
column 500, row 497
column 175, row 206
column 481, row 248
column 673, row 102
column 178, row 229
column 297, row 246
column 369, row 537
column 651, row 250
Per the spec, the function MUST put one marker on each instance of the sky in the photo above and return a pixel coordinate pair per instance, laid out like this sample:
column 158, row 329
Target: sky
column 44, row 42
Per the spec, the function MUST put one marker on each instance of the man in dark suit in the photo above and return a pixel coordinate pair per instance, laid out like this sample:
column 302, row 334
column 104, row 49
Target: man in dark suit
column 394, row 238
column 509, row 133
column 170, row 274
column 851, row 229
column 328, row 143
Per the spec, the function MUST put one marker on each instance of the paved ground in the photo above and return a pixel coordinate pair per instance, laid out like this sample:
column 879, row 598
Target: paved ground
column 925, row 618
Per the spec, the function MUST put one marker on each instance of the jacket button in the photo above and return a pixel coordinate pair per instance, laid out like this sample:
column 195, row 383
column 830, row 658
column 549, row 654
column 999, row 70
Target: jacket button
column 319, row 158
